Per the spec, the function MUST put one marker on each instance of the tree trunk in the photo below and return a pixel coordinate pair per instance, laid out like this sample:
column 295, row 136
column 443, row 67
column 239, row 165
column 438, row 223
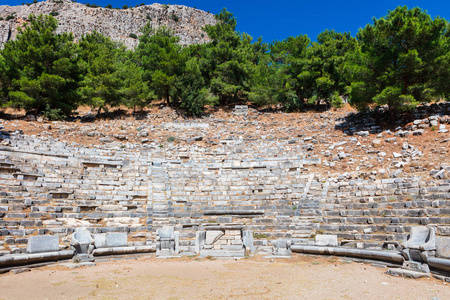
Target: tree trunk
column 167, row 96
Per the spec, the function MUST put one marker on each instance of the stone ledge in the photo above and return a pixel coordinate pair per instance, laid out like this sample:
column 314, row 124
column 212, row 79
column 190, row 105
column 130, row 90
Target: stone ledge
column 439, row 263
column 389, row 256
column 124, row 250
column 23, row 259
column 407, row 273
column 233, row 212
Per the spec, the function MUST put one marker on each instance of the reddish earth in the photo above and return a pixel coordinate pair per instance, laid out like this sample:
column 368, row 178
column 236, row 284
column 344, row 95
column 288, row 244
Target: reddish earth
column 123, row 127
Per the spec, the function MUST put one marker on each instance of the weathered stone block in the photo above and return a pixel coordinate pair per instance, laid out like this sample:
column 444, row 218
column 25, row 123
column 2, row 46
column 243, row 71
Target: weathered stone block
column 443, row 246
column 212, row 236
column 326, row 240
column 43, row 243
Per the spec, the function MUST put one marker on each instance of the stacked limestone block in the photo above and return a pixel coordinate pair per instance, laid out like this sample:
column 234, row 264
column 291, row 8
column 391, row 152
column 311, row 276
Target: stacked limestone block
column 49, row 187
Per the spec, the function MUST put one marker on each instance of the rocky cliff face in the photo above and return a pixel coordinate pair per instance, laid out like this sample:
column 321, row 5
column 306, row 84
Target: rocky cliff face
column 186, row 22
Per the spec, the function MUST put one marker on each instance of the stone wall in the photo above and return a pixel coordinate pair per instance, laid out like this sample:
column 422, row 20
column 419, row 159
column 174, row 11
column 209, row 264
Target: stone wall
column 49, row 187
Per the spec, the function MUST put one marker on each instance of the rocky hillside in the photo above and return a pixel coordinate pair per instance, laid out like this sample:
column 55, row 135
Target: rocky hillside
column 186, row 22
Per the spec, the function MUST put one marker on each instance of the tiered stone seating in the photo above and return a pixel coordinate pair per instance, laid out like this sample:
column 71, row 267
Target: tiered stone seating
column 48, row 187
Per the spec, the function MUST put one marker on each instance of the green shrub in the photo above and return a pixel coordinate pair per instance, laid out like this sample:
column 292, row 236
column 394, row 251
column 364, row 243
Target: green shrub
column 258, row 236
column 174, row 17
column 10, row 17
column 134, row 36
column 108, row 6
column 54, row 114
column 54, row 13
column 125, row 6
column 336, row 100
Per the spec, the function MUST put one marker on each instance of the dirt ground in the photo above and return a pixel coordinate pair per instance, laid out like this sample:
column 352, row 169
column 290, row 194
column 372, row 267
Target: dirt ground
column 123, row 127
column 301, row 277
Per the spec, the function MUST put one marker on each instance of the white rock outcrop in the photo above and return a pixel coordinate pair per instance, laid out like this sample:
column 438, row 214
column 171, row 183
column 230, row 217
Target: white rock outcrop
column 186, row 22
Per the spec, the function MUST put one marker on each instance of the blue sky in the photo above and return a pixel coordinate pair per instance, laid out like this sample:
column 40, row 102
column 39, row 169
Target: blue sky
column 276, row 20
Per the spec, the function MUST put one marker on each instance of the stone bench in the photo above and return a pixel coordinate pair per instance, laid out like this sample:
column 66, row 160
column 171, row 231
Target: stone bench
column 387, row 256
column 41, row 248
column 115, row 243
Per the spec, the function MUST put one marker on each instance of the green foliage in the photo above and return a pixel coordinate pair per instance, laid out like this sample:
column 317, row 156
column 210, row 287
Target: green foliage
column 51, row 80
column 174, row 17
column 54, row 13
column 229, row 60
column 55, row 114
column 336, row 100
column 10, row 17
column 160, row 58
column 398, row 59
column 125, row 7
column 190, row 90
column 101, row 84
column 109, row 6
column 135, row 91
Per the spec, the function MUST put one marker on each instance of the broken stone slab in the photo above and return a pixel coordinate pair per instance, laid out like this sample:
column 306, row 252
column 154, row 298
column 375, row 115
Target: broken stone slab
column 190, row 125
column 222, row 254
column 200, row 237
column 443, row 247
column 212, row 236
column 43, row 243
column 416, row 266
column 407, row 273
column 95, row 162
column 326, row 240
column 78, row 265
column 442, row 129
column 396, row 173
column 240, row 110
column 110, row 239
column 247, row 237
column 362, row 133
column 440, row 174
column 282, row 247
column 167, row 232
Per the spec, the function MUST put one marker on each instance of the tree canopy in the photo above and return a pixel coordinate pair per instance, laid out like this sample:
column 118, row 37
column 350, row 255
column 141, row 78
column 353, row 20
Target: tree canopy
column 398, row 60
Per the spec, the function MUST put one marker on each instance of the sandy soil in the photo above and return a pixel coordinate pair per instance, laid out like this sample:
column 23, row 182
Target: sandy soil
column 301, row 277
